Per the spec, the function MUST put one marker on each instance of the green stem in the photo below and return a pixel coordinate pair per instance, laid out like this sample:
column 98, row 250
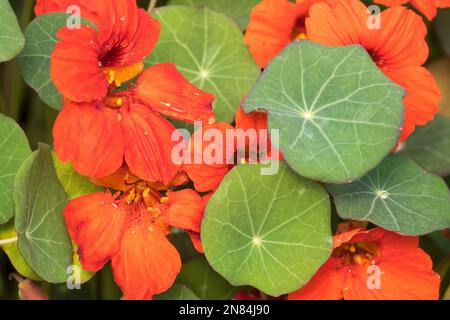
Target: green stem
column 8, row 241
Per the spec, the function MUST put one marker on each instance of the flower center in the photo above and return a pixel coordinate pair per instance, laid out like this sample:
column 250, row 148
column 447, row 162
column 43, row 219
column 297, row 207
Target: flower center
column 378, row 59
column 360, row 253
column 118, row 75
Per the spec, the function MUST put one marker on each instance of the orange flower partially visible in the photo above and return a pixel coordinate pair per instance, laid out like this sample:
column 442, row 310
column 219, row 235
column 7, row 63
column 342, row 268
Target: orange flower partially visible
column 405, row 270
column 427, row 7
column 130, row 228
column 398, row 48
column 274, row 24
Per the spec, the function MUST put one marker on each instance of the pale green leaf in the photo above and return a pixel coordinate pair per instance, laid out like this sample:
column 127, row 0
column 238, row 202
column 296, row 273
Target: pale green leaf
column 208, row 49
column 238, row 10
column 337, row 115
column 429, row 146
column 271, row 232
column 399, row 196
column 39, row 200
column 14, row 148
column 11, row 37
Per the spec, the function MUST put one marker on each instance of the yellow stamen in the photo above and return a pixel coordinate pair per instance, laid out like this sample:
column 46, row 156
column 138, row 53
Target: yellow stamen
column 113, row 102
column 164, row 200
column 146, row 192
column 119, row 75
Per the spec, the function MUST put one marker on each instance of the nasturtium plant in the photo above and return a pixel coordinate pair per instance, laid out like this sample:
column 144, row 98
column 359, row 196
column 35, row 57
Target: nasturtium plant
column 238, row 10
column 39, row 200
column 338, row 116
column 11, row 37
column 268, row 231
column 429, row 146
column 398, row 195
column 211, row 54
column 177, row 292
column 206, row 284
column 14, row 148
column 34, row 60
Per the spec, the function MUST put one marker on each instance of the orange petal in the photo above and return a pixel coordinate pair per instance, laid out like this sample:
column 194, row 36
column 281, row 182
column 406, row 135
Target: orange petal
column 184, row 210
column 148, row 144
column 74, row 65
column 146, row 264
column 270, row 28
column 90, row 137
column 163, row 88
column 443, row 3
column 427, row 7
column 326, row 284
column 422, row 96
column 95, row 223
column 196, row 241
column 128, row 34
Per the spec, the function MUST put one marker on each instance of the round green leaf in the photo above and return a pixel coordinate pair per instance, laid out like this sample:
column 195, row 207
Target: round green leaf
column 398, row 195
column 429, row 146
column 238, row 10
column 7, row 232
column 34, row 60
column 208, row 49
column 39, row 200
column 206, row 284
column 177, row 292
column 11, row 37
column 337, row 115
column 14, row 148
column 268, row 231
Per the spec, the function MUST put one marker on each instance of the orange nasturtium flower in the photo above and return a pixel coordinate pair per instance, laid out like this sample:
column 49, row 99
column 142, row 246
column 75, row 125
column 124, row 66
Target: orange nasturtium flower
column 404, row 270
column 398, row 48
column 427, row 7
column 130, row 228
column 274, row 24
column 99, row 127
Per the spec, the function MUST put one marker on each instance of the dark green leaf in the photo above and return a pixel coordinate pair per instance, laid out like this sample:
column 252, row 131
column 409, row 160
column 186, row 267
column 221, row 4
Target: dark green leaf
column 398, row 195
column 208, row 49
column 206, row 284
column 14, row 148
column 39, row 199
column 441, row 25
column 338, row 116
column 271, row 232
column 177, row 292
column 429, row 146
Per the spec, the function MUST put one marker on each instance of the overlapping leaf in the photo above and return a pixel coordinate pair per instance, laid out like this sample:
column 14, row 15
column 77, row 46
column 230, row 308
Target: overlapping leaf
column 34, row 60
column 268, row 231
column 238, row 10
column 11, row 37
column 429, row 146
column 208, row 49
column 398, row 195
column 14, row 149
column 338, row 116
column 39, row 199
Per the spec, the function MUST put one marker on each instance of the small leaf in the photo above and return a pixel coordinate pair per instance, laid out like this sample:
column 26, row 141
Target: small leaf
column 177, row 292
column 11, row 37
column 337, row 115
column 399, row 196
column 39, row 199
column 238, row 10
column 429, row 146
column 14, row 148
column 34, row 60
column 271, row 232
column 208, row 49
column 7, row 232
column 74, row 184
column 206, row 284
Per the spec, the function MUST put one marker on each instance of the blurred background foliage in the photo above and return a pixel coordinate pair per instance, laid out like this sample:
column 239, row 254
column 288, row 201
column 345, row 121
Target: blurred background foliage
column 21, row 103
